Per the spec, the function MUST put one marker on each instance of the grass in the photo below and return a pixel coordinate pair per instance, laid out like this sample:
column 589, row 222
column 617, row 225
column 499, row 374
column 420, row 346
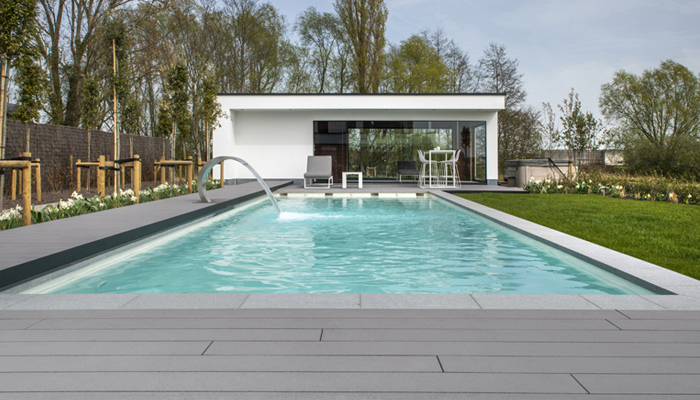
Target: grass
column 661, row 233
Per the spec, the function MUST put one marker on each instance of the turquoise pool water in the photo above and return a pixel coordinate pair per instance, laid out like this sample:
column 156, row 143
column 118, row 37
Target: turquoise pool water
column 343, row 245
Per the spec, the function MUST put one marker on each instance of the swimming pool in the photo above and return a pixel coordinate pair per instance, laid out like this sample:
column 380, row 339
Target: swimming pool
column 343, row 245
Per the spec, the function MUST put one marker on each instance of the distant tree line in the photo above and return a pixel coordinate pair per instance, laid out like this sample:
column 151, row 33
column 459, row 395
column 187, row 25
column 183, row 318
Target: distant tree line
column 154, row 67
column 163, row 61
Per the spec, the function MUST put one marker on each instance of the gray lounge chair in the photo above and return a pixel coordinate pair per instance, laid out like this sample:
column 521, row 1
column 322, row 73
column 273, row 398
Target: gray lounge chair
column 407, row 168
column 319, row 167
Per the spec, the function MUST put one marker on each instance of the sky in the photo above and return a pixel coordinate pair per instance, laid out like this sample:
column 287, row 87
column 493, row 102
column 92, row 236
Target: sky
column 559, row 44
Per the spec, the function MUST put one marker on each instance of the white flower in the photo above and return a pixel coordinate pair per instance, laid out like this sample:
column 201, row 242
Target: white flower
column 560, row 186
column 77, row 196
column 63, row 205
column 133, row 199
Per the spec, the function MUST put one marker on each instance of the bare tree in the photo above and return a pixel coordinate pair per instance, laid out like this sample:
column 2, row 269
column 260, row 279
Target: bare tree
column 364, row 21
column 499, row 74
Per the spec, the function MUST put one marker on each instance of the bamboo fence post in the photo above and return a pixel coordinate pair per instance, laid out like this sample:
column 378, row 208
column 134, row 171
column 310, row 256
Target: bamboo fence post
column 13, row 191
column 78, row 175
column 190, row 170
column 123, row 175
column 136, row 177
column 38, row 179
column 28, row 156
column 27, row 194
column 101, row 176
column 222, row 174
column 70, row 162
column 162, row 171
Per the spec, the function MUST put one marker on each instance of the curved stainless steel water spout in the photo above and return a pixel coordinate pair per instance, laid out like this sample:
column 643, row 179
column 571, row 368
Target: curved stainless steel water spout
column 201, row 180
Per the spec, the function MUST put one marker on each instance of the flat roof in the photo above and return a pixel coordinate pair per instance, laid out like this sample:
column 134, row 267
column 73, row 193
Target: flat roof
column 363, row 101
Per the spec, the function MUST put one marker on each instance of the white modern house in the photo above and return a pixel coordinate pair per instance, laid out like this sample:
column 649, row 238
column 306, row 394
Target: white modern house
column 362, row 132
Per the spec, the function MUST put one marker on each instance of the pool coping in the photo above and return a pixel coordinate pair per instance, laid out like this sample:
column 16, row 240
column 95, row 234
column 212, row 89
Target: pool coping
column 169, row 213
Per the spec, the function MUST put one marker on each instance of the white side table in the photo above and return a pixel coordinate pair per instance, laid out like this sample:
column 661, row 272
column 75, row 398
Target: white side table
column 345, row 179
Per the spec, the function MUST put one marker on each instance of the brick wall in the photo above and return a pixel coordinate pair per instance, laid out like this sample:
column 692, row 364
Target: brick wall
column 55, row 144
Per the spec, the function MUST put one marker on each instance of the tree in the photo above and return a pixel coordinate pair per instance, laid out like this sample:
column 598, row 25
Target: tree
column 253, row 50
column 656, row 117
column 461, row 77
column 68, row 41
column 416, row 67
column 320, row 33
column 364, row 22
column 499, row 74
column 178, row 104
column 519, row 136
column 211, row 109
column 90, row 113
column 580, row 131
column 32, row 87
column 550, row 133
column 16, row 31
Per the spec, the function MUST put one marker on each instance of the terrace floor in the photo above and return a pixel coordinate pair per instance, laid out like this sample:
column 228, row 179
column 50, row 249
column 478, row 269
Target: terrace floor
column 345, row 346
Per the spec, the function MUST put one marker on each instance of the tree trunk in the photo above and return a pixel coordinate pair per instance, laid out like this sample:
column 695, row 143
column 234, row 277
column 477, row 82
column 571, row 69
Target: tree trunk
column 88, row 158
column 3, row 130
column 28, row 136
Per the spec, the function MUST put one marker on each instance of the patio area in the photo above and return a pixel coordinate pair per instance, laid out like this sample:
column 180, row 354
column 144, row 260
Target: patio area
column 348, row 346
column 349, row 354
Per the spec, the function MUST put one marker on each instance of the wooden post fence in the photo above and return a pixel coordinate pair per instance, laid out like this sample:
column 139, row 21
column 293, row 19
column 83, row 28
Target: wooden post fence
column 25, row 166
column 189, row 164
column 36, row 164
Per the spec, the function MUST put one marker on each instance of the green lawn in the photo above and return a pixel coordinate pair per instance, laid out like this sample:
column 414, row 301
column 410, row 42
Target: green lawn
column 665, row 234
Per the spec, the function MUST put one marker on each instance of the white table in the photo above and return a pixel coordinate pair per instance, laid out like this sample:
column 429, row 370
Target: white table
column 345, row 179
column 448, row 154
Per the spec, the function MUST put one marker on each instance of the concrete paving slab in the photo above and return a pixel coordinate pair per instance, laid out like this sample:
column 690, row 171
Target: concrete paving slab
column 668, row 314
column 675, row 302
column 621, row 302
column 332, row 395
column 125, row 335
column 72, row 302
column 310, row 323
column 186, row 300
column 174, row 363
column 294, row 382
column 689, row 290
column 427, row 314
column 533, row 301
column 302, row 300
column 417, row 301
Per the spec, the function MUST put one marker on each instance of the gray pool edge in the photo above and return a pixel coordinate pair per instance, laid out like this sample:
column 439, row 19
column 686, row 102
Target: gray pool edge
column 687, row 289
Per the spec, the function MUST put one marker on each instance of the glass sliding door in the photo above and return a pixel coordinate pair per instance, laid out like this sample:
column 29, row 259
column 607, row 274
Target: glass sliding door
column 376, row 147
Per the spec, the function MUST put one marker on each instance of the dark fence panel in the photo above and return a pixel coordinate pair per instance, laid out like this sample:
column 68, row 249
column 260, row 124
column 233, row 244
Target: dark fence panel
column 55, row 144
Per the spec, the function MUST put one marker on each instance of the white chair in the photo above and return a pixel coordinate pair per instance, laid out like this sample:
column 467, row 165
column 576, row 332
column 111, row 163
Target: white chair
column 319, row 167
column 452, row 163
column 424, row 163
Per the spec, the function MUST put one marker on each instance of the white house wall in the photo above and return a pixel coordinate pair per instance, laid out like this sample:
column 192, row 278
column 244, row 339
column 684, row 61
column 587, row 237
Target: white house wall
column 275, row 133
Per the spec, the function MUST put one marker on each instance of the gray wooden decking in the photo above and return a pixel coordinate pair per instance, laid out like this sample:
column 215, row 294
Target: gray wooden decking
column 160, row 346
column 349, row 354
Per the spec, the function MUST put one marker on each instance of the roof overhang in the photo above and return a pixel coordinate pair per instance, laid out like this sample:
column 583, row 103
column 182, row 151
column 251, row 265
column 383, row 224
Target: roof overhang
column 309, row 102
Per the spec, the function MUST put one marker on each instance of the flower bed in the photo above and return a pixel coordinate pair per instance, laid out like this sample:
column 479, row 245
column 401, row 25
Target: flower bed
column 649, row 188
column 78, row 205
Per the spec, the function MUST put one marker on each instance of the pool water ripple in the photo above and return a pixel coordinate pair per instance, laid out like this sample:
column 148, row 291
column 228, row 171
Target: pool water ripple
column 346, row 245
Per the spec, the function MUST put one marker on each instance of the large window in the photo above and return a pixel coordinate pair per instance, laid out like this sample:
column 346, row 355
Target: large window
column 376, row 147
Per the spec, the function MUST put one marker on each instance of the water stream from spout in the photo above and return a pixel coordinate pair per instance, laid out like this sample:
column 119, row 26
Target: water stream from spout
column 204, row 172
